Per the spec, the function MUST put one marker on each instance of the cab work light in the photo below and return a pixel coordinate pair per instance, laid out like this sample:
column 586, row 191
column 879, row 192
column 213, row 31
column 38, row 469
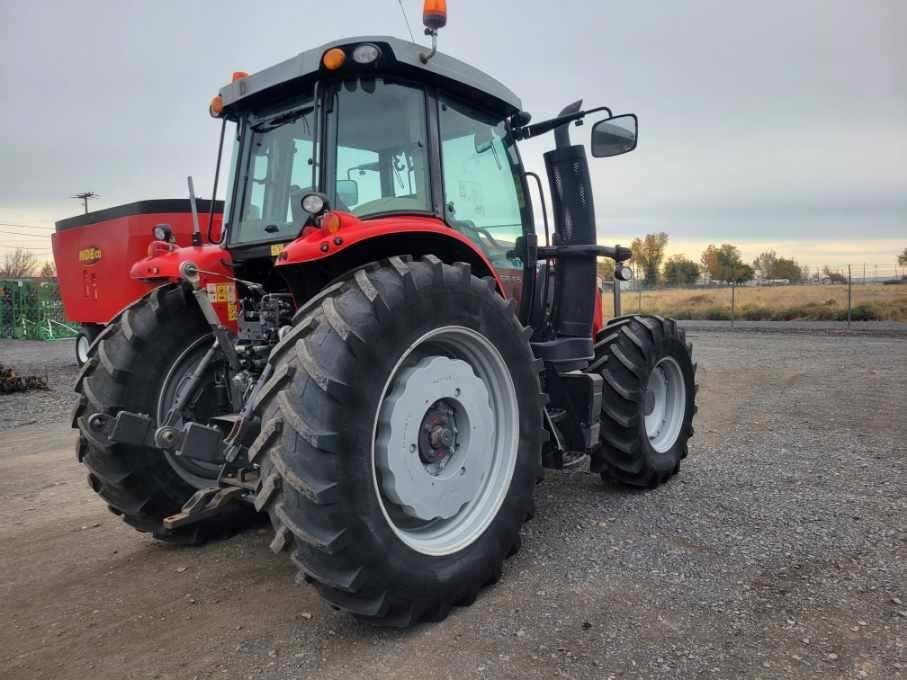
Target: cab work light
column 366, row 54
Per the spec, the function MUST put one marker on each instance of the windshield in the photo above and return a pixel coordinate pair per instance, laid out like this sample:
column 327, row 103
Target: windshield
column 275, row 173
column 381, row 160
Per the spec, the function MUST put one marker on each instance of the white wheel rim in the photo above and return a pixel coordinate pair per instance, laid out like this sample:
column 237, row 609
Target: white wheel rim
column 82, row 346
column 664, row 404
column 439, row 493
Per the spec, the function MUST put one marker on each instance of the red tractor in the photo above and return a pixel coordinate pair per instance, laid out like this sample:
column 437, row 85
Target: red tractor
column 379, row 354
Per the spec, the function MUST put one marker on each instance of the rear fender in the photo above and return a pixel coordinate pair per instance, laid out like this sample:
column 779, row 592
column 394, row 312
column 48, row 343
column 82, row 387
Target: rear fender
column 215, row 274
column 357, row 242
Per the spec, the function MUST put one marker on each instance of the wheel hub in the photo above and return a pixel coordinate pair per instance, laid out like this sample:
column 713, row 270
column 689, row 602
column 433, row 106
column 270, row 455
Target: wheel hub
column 664, row 404
column 437, row 430
column 437, row 436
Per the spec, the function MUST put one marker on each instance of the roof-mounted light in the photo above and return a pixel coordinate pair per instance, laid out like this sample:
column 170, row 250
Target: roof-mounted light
column 239, row 75
column 434, row 14
column 366, row 54
column 216, row 107
column 333, row 59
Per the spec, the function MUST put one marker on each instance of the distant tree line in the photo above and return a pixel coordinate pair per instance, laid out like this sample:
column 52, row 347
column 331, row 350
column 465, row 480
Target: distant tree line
column 718, row 263
column 21, row 264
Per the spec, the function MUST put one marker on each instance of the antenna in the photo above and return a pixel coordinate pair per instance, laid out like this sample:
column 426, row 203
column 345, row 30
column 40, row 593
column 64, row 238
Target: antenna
column 85, row 196
column 406, row 19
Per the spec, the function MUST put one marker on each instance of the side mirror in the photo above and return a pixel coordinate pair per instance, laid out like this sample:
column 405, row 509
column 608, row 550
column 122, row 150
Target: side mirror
column 614, row 136
column 348, row 192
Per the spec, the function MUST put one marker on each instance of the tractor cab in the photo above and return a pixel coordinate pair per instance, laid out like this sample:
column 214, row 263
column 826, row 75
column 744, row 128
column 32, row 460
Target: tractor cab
column 377, row 134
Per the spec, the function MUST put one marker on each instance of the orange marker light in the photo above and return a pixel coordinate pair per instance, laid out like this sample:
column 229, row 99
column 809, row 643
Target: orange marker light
column 216, row 108
column 330, row 223
column 333, row 59
column 434, row 14
column 239, row 75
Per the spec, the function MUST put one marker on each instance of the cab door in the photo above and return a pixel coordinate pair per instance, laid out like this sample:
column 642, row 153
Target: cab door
column 484, row 189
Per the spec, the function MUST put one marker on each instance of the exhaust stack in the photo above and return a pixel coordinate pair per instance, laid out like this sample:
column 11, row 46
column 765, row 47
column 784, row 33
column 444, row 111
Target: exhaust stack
column 574, row 225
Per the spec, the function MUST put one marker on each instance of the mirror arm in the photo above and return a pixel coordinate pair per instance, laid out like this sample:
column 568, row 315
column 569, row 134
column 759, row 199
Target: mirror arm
column 530, row 131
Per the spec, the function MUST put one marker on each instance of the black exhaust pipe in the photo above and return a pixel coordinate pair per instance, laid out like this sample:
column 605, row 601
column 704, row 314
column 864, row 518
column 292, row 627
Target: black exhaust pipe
column 574, row 225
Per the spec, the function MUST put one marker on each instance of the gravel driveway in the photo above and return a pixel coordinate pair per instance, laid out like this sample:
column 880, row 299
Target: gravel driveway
column 780, row 551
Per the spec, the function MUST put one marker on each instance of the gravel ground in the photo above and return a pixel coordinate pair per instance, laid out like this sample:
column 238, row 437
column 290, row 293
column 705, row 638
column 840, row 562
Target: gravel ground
column 780, row 551
column 57, row 361
column 896, row 329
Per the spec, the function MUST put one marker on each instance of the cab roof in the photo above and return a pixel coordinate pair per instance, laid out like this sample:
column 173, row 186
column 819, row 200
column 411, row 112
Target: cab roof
column 398, row 57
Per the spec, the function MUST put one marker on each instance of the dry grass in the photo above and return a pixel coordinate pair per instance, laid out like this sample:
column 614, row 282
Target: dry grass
column 871, row 302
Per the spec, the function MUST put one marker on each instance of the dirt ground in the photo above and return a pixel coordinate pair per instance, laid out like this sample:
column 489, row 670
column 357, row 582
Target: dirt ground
column 780, row 551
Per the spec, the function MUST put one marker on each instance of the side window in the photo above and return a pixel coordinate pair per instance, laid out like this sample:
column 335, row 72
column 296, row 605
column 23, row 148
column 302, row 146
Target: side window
column 482, row 191
column 278, row 172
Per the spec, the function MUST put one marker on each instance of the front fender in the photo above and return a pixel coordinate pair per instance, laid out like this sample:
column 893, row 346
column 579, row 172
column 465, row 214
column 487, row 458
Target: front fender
column 316, row 244
column 215, row 274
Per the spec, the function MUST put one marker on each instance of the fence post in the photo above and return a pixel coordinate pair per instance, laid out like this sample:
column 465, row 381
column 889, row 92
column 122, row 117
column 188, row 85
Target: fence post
column 849, row 295
column 733, row 302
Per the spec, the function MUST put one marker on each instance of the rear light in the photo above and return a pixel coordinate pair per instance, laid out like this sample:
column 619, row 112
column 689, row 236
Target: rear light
column 330, row 223
column 162, row 232
column 239, row 75
column 314, row 203
column 333, row 59
column 216, row 107
column 366, row 54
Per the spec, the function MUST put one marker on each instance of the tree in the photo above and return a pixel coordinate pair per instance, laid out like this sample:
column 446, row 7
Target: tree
column 902, row 258
column 787, row 269
column 648, row 253
column 833, row 276
column 49, row 270
column 770, row 266
column 18, row 264
column 605, row 269
column 742, row 274
column 723, row 263
column 765, row 264
column 679, row 270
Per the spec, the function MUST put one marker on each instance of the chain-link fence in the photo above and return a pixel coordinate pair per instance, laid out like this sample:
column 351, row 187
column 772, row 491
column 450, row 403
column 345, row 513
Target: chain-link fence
column 840, row 293
column 30, row 309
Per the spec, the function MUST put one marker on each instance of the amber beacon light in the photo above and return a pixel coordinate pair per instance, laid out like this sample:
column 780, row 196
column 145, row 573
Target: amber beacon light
column 434, row 14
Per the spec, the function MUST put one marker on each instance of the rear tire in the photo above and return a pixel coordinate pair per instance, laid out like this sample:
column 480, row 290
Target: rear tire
column 325, row 432
column 126, row 370
column 648, row 402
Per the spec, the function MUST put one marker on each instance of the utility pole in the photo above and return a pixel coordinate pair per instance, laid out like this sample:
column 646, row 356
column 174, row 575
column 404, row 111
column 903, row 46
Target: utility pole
column 85, row 196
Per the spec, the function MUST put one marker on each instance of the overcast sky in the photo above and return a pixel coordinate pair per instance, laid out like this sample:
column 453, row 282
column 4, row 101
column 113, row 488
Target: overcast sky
column 774, row 123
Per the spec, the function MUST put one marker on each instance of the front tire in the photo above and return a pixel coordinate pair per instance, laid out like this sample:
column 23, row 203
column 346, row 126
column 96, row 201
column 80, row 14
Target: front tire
column 648, row 402
column 128, row 368
column 401, row 376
